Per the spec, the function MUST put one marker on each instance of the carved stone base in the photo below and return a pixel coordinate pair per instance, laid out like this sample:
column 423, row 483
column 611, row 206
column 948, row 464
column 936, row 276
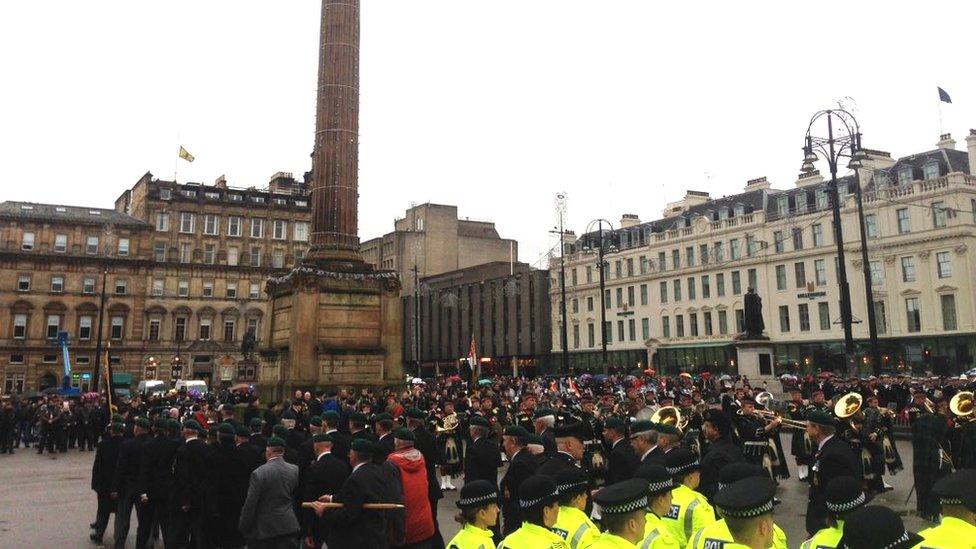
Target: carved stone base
column 334, row 328
column 756, row 359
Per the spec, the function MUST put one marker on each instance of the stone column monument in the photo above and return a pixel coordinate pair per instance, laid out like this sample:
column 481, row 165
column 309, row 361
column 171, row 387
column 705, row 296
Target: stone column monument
column 334, row 319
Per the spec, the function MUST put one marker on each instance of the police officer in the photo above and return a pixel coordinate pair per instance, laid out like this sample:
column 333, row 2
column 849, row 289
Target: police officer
column 717, row 533
column 573, row 524
column 690, row 511
column 747, row 506
column 623, row 506
column 843, row 495
column 957, row 498
column 539, row 501
column 659, row 486
column 875, row 526
column 478, row 512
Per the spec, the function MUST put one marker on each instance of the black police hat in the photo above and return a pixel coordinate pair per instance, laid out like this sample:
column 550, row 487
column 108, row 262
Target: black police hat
column 953, row 489
column 874, row 527
column 574, row 430
column 659, row 480
column 844, row 494
column 738, row 470
column 572, row 481
column 681, row 461
column 623, row 497
column 476, row 494
column 746, row 498
column 537, row 491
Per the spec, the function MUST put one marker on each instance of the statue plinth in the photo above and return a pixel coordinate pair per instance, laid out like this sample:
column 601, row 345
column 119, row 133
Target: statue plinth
column 755, row 357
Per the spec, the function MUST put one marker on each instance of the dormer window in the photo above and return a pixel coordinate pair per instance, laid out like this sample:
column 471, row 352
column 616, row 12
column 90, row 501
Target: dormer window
column 59, row 209
column 165, row 194
column 212, row 195
column 723, row 213
column 783, row 205
column 739, row 210
column 190, row 194
column 904, row 176
column 880, row 179
column 931, row 170
column 235, row 197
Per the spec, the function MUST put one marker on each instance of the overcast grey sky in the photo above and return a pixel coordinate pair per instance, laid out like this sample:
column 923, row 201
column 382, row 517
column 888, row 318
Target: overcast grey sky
column 492, row 106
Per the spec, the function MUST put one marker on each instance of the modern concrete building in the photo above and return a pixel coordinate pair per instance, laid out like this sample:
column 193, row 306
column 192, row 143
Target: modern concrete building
column 675, row 286
column 433, row 239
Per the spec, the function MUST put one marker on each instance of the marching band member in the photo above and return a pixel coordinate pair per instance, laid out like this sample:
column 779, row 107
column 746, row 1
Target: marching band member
column 800, row 445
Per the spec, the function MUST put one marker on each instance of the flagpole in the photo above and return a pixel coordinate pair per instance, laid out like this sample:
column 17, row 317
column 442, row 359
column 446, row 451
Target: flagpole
column 176, row 161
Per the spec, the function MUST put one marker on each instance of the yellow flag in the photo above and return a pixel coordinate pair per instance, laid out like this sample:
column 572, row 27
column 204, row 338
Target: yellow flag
column 185, row 155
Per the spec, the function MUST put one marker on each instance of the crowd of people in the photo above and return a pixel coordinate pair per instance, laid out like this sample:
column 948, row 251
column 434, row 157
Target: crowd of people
column 590, row 461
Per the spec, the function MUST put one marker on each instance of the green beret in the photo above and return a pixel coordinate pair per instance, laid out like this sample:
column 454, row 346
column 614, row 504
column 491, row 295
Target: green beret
column 363, row 446
column 642, row 426
column 534, row 439
column 160, row 423
column 225, row 429
column 382, row 417
column 142, row 422
column 118, row 427
column 543, row 412
column 404, row 434
column 358, row 417
column 478, row 421
column 516, row 431
column 257, row 422
column 117, row 417
column 173, row 424
column 820, row 417
column 315, row 420
column 280, row 431
column 242, row 431
column 615, row 423
column 666, row 429
column 191, row 424
column 416, row 413
column 212, row 431
column 276, row 442
column 321, row 437
column 330, row 415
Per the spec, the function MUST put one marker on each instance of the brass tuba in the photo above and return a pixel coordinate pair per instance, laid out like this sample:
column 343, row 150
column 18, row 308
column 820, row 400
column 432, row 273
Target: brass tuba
column 961, row 406
column 670, row 415
column 848, row 405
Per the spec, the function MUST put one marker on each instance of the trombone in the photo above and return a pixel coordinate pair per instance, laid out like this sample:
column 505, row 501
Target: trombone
column 787, row 422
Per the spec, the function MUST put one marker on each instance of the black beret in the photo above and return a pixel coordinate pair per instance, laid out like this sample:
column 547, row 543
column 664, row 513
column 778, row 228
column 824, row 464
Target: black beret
column 681, row 461
column 623, row 497
column 874, row 526
column 537, row 491
column 659, row 480
column 746, row 498
column 572, row 480
column 477, row 493
column 844, row 494
column 574, row 430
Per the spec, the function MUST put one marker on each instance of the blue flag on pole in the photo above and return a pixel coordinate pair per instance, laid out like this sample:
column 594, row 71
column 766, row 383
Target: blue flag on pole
column 943, row 96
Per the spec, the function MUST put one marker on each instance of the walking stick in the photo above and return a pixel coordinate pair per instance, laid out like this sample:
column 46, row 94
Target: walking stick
column 910, row 494
column 335, row 505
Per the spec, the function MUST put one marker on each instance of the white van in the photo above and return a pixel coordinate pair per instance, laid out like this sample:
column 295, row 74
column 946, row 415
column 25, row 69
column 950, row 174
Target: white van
column 192, row 385
column 152, row 387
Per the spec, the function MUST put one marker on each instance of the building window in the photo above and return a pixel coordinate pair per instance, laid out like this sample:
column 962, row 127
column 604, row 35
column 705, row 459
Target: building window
column 904, row 224
column 205, row 325
column 908, row 269
column 231, row 290
column 871, row 225
column 85, row 327
column 211, row 224
column 823, row 311
column 621, row 336
column 589, row 303
column 589, row 273
column 944, row 264
column 783, row 206
column 255, row 256
column 49, row 359
column 590, row 335
column 804, row 313
column 736, row 283
column 630, row 296
column 277, row 258
column 632, row 329
column 27, row 241
column 183, row 288
column 675, row 259
column 938, row 215
column 797, row 238
column 154, row 329
column 208, row 287
column 209, row 254
column 300, row 231
column 13, row 384
column 821, row 196
column 676, row 289
column 784, row 318
column 88, row 286
column 121, row 286
column 693, row 324
column 817, row 235
column 931, row 170
column 229, row 329
column 23, row 283
column 679, row 325
column 188, row 222
column 91, row 245
column 703, row 253
column 620, row 297
column 643, row 294
column 645, row 328
column 20, row 326
column 576, row 336
column 60, row 243
column 740, row 321
column 255, row 291
column 706, row 287
column 914, row 316
column 880, row 318
column 734, row 252
column 572, row 276
column 233, row 255
column 664, row 292
column 162, row 222
column 800, row 272
column 753, row 279
column 723, row 323
column 690, row 256
column 904, row 176
column 118, row 326
column 279, row 229
column 257, row 228
column 662, row 262
column 165, row 193
column 186, row 254
column 53, row 326
column 666, row 326
column 820, row 272
column 157, row 287
column 719, row 249
column 234, row 226
column 781, row 277
column 159, row 252
column 877, row 275
column 57, row 284
column 778, row 241
column 948, row 311
column 720, row 285
column 707, row 321
column 179, row 328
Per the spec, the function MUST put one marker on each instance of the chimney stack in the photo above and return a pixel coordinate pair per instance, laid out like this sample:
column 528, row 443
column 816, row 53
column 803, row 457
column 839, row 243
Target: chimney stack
column 629, row 220
column 757, row 183
column 971, row 145
column 946, row 142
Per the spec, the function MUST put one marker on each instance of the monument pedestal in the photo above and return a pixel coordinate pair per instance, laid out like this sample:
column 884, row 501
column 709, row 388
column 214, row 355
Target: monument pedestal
column 755, row 360
column 332, row 328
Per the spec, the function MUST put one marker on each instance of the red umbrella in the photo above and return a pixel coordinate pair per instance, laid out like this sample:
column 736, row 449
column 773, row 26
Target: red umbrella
column 240, row 387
